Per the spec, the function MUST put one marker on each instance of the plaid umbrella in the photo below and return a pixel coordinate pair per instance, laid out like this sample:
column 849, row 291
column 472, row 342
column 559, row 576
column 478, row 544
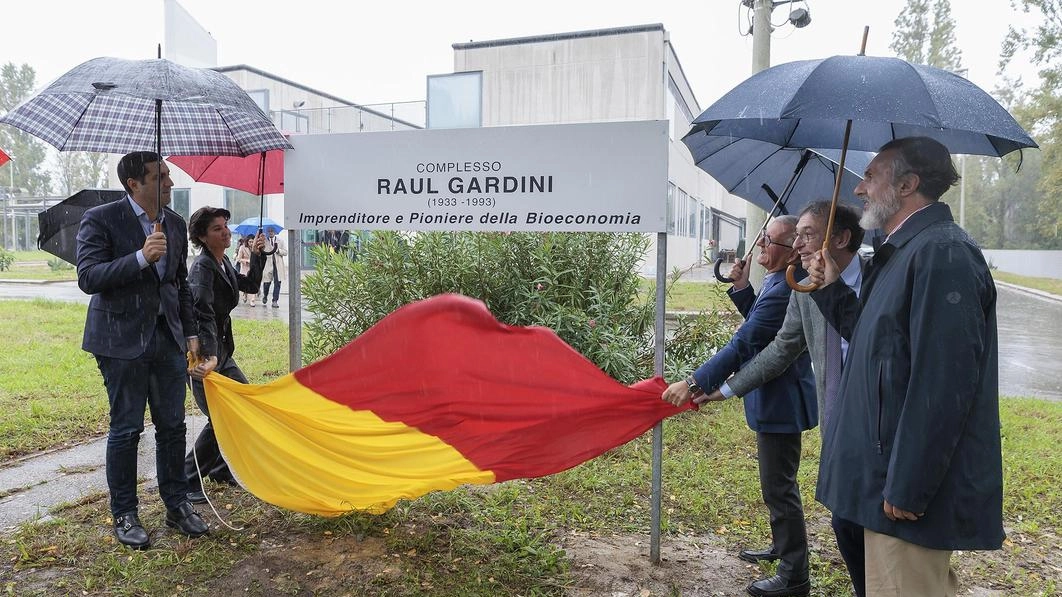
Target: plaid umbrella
column 111, row 105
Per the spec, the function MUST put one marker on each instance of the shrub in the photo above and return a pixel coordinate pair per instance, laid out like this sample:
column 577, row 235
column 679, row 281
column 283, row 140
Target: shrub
column 584, row 286
column 58, row 265
column 6, row 259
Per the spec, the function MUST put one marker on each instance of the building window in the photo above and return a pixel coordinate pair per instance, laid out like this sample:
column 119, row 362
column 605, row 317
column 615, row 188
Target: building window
column 180, row 202
column 691, row 209
column 241, row 205
column 671, row 208
column 455, row 101
column 260, row 97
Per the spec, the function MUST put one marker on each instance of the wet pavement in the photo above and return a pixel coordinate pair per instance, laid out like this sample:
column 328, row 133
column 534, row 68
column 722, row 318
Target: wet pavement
column 69, row 292
column 1030, row 343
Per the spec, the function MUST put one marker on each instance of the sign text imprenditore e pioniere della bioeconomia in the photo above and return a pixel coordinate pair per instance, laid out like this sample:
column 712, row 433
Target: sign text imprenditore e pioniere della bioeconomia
column 471, row 184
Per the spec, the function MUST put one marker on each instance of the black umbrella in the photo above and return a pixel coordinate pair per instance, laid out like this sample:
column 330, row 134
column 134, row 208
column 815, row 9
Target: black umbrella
column 861, row 102
column 59, row 223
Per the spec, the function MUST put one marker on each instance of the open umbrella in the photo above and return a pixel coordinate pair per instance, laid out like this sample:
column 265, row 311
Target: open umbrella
column 861, row 102
column 257, row 174
column 58, row 224
column 114, row 105
column 253, row 225
column 758, row 171
column 261, row 173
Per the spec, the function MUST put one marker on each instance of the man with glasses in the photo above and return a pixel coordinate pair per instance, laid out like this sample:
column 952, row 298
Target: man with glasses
column 778, row 411
column 805, row 331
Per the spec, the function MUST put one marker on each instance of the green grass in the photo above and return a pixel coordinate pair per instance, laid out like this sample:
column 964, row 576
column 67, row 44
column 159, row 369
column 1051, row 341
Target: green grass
column 496, row 540
column 34, row 265
column 1052, row 285
column 687, row 295
column 52, row 394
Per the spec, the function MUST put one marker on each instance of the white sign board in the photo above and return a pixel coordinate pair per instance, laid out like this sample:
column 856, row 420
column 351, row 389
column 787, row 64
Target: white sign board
column 598, row 177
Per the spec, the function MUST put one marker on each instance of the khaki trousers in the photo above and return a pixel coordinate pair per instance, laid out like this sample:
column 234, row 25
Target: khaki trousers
column 896, row 568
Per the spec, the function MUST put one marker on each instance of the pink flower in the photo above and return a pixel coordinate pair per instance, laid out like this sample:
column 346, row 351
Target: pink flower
column 539, row 286
column 593, row 323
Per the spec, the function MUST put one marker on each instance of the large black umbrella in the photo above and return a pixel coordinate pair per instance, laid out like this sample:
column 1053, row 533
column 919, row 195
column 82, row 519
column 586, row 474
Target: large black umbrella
column 59, row 223
column 113, row 105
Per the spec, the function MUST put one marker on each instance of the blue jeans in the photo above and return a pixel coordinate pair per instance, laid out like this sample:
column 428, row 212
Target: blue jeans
column 276, row 291
column 155, row 379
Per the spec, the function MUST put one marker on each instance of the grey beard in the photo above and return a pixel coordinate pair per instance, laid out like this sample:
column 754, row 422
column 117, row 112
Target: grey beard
column 876, row 213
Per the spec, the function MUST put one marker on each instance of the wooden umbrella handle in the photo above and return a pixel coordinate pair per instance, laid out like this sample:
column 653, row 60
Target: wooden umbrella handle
column 790, row 272
column 790, row 276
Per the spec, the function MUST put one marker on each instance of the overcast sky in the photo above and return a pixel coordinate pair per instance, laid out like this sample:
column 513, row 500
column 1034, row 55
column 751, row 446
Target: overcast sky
column 381, row 50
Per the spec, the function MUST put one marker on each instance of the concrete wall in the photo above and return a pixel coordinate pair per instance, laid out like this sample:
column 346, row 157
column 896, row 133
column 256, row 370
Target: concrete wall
column 1040, row 264
column 630, row 73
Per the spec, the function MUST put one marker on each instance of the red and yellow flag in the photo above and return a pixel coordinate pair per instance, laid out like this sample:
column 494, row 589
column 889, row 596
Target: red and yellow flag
column 435, row 395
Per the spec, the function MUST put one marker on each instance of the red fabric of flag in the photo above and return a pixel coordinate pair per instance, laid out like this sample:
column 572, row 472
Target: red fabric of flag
column 517, row 401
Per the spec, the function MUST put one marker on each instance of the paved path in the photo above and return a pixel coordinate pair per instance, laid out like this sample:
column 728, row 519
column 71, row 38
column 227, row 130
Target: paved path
column 35, row 484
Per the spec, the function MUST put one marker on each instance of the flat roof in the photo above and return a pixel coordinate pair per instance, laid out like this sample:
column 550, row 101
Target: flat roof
column 279, row 79
column 558, row 36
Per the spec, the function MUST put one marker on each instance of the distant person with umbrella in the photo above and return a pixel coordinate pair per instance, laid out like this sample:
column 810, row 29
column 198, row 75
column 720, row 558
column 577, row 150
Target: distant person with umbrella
column 912, row 452
column 274, row 267
column 140, row 322
column 216, row 286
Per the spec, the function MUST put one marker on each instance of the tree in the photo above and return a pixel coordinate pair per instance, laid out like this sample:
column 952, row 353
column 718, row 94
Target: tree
column 925, row 34
column 1041, row 108
column 16, row 84
column 80, row 170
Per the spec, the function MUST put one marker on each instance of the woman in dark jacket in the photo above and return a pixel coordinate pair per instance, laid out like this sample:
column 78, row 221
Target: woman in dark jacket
column 216, row 286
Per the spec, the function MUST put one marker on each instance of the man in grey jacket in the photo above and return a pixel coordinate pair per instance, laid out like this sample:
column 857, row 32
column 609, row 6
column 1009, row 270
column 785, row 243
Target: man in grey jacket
column 805, row 329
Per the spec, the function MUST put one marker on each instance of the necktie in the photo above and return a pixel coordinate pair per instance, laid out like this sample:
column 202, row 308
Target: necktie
column 834, row 365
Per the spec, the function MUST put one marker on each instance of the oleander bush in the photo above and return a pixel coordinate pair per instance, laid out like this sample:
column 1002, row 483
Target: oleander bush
column 584, row 286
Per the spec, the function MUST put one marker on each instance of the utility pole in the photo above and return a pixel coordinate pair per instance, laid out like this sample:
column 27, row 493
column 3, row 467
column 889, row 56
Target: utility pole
column 761, row 60
column 962, row 192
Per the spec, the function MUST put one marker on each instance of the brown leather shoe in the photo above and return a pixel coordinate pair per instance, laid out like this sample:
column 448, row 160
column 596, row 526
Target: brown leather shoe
column 186, row 520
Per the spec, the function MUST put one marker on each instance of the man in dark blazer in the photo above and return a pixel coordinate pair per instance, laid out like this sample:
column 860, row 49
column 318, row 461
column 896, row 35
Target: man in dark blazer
column 913, row 451
column 131, row 257
column 778, row 411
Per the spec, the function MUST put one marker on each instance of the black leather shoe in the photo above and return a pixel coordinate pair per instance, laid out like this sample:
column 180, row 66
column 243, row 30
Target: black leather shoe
column 197, row 497
column 758, row 555
column 779, row 586
column 186, row 520
column 130, row 532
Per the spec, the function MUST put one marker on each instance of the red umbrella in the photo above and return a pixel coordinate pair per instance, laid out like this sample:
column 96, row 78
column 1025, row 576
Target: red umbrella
column 251, row 173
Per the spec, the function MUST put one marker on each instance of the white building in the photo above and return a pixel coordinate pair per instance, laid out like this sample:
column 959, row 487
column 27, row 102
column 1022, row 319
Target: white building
column 626, row 73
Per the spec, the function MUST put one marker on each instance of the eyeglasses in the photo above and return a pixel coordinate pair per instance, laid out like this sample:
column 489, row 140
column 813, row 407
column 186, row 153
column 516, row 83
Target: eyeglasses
column 807, row 237
column 767, row 242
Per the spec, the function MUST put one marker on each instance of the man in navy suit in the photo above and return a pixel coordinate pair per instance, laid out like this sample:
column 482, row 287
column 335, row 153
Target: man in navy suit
column 131, row 258
column 778, row 411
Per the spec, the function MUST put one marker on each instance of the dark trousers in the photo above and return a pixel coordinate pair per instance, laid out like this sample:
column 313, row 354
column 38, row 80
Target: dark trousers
column 778, row 455
column 211, row 462
column 155, row 379
column 850, row 544
column 276, row 290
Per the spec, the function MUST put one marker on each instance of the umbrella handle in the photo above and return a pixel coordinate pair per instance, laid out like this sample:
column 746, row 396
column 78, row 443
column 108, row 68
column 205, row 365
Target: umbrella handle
column 719, row 276
column 790, row 278
column 157, row 227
